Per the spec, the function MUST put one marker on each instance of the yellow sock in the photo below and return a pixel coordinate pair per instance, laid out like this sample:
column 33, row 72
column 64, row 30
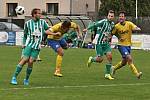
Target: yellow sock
column 118, row 65
column 58, row 63
column 133, row 68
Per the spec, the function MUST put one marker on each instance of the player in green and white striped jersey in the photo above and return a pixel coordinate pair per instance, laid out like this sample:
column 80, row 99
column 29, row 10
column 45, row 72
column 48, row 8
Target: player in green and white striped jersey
column 34, row 29
column 102, row 42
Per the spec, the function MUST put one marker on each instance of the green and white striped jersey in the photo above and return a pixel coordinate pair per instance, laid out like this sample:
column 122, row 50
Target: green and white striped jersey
column 104, row 29
column 33, row 33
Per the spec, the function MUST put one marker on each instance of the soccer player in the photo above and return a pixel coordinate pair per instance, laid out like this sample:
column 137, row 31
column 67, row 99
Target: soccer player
column 123, row 30
column 58, row 43
column 34, row 29
column 102, row 42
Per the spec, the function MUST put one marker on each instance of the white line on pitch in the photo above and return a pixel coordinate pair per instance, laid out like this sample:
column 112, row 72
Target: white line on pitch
column 75, row 86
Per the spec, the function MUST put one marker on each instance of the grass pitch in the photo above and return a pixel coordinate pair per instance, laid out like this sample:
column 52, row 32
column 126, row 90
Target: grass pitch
column 79, row 82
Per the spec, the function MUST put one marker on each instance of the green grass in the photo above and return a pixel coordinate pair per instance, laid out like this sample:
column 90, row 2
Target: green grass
column 78, row 83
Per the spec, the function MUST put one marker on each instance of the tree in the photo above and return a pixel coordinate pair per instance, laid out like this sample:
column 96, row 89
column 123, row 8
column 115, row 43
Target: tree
column 126, row 5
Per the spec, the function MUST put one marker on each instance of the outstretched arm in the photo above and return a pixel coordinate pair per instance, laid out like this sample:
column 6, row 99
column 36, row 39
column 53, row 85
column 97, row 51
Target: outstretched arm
column 76, row 27
column 137, row 29
column 48, row 32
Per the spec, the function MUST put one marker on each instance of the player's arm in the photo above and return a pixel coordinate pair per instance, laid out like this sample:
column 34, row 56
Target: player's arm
column 77, row 28
column 94, row 25
column 52, row 31
column 99, row 23
column 46, row 26
column 115, row 32
column 134, row 27
column 25, row 35
column 91, row 27
column 49, row 32
column 95, row 39
column 137, row 29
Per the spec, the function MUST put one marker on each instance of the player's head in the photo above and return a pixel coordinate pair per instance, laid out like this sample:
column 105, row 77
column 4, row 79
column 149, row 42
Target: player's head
column 110, row 15
column 65, row 25
column 122, row 17
column 36, row 13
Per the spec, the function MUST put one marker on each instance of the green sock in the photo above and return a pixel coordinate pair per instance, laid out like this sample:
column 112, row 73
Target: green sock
column 18, row 70
column 93, row 59
column 28, row 72
column 108, row 69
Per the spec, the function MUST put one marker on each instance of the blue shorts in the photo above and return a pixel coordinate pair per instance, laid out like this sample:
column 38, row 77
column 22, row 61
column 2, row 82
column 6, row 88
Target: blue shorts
column 55, row 44
column 124, row 50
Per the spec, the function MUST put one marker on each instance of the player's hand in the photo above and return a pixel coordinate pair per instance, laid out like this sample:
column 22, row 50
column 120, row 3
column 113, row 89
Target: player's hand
column 58, row 34
column 84, row 30
column 23, row 46
column 94, row 41
column 121, row 39
column 79, row 36
column 104, row 39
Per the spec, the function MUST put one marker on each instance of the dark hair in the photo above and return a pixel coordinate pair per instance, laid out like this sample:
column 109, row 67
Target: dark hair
column 122, row 12
column 34, row 11
column 66, row 23
column 111, row 11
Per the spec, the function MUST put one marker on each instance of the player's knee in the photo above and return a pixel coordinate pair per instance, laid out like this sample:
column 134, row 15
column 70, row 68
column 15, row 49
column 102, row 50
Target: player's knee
column 123, row 64
column 129, row 59
column 109, row 57
column 99, row 59
column 31, row 61
column 61, row 53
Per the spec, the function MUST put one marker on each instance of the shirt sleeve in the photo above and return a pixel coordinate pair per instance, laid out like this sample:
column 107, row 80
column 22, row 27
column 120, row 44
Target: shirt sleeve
column 46, row 26
column 99, row 23
column 25, row 33
column 114, row 31
column 95, row 25
column 132, row 25
column 74, row 25
column 55, row 28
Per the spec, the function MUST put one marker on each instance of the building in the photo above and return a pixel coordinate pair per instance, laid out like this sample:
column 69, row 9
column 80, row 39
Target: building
column 53, row 7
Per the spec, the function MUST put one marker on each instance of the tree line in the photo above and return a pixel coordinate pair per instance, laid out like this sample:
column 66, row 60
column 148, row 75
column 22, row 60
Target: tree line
column 127, row 5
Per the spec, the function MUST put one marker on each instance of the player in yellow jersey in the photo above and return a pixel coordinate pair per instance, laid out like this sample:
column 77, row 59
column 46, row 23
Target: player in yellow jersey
column 58, row 43
column 123, row 30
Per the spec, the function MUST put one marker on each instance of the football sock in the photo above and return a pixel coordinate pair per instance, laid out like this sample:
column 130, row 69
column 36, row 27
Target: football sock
column 108, row 69
column 118, row 65
column 18, row 70
column 28, row 72
column 133, row 68
column 93, row 59
column 58, row 62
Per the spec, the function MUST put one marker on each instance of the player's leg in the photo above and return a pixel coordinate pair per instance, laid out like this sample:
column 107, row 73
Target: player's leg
column 131, row 65
column 62, row 45
column 33, row 57
column 24, row 59
column 107, row 50
column 123, row 51
column 98, row 58
column 57, row 48
column 118, row 66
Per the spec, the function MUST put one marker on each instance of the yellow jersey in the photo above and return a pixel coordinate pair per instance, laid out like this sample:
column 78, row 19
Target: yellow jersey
column 57, row 28
column 124, row 32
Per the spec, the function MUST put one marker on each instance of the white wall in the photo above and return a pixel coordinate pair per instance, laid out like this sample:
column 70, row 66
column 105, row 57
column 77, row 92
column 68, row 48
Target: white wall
column 78, row 6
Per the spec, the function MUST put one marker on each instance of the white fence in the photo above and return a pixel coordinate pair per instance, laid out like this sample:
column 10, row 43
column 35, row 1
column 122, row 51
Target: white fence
column 140, row 41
